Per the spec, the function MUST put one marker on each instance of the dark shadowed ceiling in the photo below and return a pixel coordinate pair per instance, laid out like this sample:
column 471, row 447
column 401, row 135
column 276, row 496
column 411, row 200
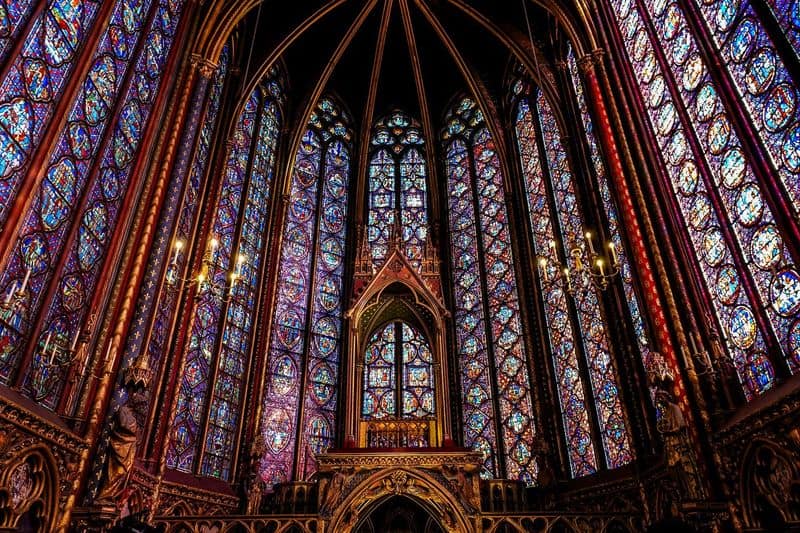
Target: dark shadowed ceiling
column 427, row 51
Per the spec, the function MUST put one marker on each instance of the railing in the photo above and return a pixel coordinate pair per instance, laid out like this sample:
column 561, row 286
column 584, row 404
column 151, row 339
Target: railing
column 419, row 433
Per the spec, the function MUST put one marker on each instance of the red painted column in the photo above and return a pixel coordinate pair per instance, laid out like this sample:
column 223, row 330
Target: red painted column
column 635, row 238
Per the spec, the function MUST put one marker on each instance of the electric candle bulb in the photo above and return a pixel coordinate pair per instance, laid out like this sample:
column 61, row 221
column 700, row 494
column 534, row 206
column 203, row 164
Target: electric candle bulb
column 75, row 340
column 178, row 247
column 25, row 281
column 588, row 236
column 11, row 292
column 47, row 341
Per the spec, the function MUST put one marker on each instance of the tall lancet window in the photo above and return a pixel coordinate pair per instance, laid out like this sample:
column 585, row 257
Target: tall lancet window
column 397, row 188
column 63, row 239
column 575, row 326
column 305, row 348
column 734, row 219
column 492, row 355
column 220, row 333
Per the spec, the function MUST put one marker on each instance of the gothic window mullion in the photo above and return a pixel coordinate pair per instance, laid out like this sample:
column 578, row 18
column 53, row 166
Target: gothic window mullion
column 307, row 334
column 536, row 300
column 218, row 343
column 500, row 456
column 561, row 248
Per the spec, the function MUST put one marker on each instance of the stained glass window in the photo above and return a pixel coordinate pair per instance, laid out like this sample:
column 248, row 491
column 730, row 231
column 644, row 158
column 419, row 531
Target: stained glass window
column 557, row 233
column 245, row 187
column 307, row 321
column 787, row 13
column 398, row 371
column 762, row 80
column 487, row 315
column 70, row 187
column 397, row 188
column 225, row 407
column 38, row 74
column 745, row 264
column 610, row 208
column 13, row 16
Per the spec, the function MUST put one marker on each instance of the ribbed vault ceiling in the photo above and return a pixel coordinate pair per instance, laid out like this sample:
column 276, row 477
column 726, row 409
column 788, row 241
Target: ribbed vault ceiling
column 377, row 55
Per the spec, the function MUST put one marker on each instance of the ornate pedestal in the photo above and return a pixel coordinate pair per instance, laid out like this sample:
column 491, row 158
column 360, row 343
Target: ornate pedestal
column 442, row 481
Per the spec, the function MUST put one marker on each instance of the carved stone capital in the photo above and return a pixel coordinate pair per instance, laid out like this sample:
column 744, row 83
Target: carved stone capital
column 205, row 67
column 588, row 62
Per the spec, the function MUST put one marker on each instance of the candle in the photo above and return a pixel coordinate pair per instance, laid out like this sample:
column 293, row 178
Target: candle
column 543, row 268
column 11, row 292
column 589, row 241
column 178, row 247
column 52, row 355
column 613, row 254
column 25, row 281
column 600, row 266
column 553, row 245
column 75, row 340
column 568, row 280
column 234, row 275
column 85, row 365
column 47, row 341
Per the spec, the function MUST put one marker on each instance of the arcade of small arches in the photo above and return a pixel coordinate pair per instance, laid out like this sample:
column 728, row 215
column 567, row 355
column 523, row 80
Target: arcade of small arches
column 399, row 265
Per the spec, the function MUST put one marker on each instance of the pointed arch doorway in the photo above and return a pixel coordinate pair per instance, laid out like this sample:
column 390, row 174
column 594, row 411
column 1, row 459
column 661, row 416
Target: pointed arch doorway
column 398, row 514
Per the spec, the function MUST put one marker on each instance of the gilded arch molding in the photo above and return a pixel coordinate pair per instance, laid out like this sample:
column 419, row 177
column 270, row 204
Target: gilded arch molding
column 453, row 513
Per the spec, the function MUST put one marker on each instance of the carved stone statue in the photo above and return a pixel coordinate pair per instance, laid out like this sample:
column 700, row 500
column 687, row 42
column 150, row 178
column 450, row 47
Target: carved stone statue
column 677, row 447
column 121, row 449
column 332, row 491
column 463, row 482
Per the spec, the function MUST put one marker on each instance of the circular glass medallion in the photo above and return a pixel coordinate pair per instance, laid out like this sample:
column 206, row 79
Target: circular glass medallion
column 742, row 327
column 749, row 205
column 727, row 285
column 713, row 247
column 766, row 246
column 785, row 292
